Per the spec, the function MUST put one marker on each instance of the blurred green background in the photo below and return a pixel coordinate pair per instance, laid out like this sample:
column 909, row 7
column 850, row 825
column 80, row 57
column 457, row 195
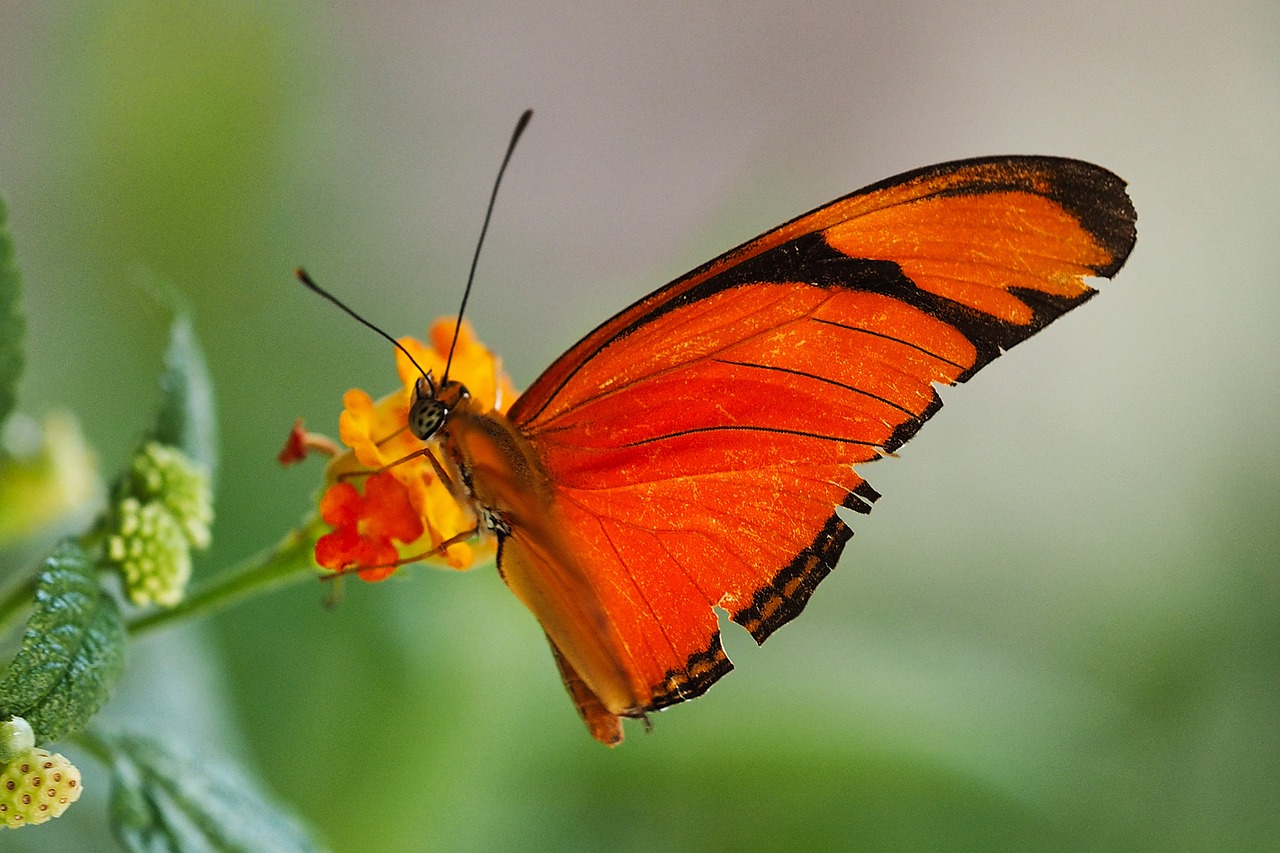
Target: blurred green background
column 1059, row 628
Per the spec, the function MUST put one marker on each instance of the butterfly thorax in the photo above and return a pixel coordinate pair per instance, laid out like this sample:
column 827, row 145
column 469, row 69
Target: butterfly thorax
column 497, row 465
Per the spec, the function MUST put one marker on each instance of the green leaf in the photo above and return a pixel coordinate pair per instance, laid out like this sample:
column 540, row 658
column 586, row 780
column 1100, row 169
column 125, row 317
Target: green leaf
column 187, row 417
column 12, row 324
column 72, row 652
column 163, row 798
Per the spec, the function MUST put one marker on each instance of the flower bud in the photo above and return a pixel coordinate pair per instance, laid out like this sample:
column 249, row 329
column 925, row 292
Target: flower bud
column 35, row 787
column 165, row 474
column 16, row 738
column 48, row 477
column 150, row 548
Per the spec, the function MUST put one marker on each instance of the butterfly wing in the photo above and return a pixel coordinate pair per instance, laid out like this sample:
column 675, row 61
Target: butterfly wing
column 697, row 444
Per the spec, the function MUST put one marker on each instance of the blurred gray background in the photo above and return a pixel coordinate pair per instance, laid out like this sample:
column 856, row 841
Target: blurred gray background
column 1058, row 629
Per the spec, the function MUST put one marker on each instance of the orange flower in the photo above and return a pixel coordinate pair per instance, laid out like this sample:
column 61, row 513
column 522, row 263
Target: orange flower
column 407, row 510
column 366, row 526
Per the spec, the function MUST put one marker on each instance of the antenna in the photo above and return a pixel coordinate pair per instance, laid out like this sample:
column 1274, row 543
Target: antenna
column 315, row 288
column 521, row 124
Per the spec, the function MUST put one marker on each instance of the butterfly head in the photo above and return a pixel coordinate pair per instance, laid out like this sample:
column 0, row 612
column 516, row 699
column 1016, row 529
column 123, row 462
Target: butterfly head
column 431, row 405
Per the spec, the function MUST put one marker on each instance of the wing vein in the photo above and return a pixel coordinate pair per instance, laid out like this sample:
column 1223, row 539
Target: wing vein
column 710, row 355
column 889, row 337
column 823, row 380
column 644, row 599
column 749, row 428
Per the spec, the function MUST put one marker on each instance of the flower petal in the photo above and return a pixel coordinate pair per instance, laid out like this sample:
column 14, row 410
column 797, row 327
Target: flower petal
column 338, row 549
column 340, row 505
column 387, row 510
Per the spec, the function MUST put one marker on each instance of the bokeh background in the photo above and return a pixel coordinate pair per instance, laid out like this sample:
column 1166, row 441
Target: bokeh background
column 1059, row 628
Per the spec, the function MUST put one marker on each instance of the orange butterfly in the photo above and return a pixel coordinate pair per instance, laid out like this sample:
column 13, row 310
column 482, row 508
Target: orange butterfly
column 690, row 452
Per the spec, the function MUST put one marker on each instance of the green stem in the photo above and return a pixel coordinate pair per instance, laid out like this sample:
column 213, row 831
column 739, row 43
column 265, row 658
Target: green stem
column 288, row 563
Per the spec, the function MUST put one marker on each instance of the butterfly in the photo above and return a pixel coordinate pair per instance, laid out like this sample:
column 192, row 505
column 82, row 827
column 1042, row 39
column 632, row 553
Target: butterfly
column 691, row 453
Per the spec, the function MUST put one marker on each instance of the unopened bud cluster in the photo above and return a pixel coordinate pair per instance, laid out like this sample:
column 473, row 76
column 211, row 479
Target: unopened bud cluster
column 163, row 509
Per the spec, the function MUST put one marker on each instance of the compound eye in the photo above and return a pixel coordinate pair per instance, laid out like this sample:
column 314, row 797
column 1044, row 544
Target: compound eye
column 426, row 417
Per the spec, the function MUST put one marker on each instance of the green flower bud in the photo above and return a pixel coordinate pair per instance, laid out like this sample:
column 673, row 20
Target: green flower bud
column 165, row 474
column 150, row 548
column 16, row 738
column 35, row 787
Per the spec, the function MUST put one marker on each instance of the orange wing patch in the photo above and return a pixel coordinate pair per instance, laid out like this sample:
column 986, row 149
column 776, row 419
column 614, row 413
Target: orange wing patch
column 974, row 250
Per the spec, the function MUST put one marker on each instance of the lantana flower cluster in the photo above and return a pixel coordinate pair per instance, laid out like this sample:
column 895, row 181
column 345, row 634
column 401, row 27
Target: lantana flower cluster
column 379, row 520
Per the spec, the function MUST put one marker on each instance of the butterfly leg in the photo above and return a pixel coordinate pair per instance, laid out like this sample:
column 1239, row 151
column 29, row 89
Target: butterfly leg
column 443, row 546
column 383, row 441
column 442, row 474
column 404, row 561
column 425, row 451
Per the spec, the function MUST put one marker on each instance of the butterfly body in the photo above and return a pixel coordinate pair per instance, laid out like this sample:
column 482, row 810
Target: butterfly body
column 511, row 495
column 690, row 453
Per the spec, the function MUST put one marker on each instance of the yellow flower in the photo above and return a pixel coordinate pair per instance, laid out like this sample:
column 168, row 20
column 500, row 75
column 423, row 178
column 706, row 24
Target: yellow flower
column 407, row 511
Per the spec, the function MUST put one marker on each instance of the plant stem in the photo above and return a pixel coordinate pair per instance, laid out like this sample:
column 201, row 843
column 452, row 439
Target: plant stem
column 289, row 562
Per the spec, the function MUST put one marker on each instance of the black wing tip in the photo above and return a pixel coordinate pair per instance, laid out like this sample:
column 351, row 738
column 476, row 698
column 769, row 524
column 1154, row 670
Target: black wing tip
column 1099, row 200
column 1094, row 195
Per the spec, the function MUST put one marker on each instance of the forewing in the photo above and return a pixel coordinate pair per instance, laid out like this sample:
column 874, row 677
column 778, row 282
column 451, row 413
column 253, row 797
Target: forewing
column 698, row 442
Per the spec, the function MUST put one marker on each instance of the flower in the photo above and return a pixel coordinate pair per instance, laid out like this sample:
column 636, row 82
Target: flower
column 295, row 446
column 300, row 443
column 405, row 511
column 367, row 526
